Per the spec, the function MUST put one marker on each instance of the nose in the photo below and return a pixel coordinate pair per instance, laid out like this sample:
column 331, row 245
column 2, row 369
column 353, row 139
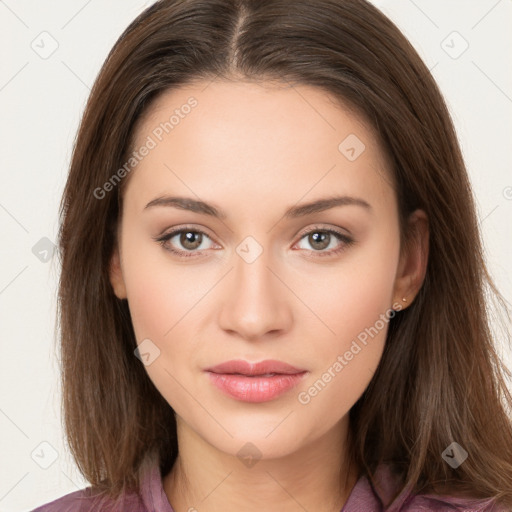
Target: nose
column 256, row 303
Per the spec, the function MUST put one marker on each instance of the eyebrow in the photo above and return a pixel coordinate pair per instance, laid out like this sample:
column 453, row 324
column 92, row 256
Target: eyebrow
column 193, row 205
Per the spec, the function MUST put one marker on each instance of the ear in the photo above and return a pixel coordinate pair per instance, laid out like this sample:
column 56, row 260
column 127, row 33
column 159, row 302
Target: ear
column 116, row 275
column 412, row 266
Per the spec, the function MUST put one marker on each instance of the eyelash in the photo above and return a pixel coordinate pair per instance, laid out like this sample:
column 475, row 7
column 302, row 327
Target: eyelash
column 347, row 241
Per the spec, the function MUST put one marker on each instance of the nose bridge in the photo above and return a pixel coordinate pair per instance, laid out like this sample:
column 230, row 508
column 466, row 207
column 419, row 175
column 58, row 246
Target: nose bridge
column 255, row 302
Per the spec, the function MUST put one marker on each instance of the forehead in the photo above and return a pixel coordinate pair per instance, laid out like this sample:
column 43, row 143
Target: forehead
column 262, row 108
column 256, row 138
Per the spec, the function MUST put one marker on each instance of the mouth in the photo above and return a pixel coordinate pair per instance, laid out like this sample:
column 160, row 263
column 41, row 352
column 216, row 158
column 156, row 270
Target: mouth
column 255, row 382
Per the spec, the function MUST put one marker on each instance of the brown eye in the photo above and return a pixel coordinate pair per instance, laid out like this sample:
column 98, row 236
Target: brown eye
column 319, row 239
column 191, row 240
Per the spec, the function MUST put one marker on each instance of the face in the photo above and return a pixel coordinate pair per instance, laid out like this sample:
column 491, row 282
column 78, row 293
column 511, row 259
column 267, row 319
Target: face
column 312, row 287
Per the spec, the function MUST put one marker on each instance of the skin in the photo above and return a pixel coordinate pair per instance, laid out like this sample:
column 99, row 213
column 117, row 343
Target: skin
column 253, row 150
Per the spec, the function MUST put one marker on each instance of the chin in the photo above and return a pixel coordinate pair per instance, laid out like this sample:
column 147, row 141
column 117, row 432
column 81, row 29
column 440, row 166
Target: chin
column 262, row 439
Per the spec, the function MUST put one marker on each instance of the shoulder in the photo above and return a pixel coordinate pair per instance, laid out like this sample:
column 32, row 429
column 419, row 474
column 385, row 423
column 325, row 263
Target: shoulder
column 85, row 500
column 148, row 496
column 70, row 502
column 431, row 502
column 386, row 483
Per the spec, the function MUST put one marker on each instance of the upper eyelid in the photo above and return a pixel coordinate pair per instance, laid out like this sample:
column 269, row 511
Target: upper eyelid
column 319, row 227
column 176, row 231
column 301, row 233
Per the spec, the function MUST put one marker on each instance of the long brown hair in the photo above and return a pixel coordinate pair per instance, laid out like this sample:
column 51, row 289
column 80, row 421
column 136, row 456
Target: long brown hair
column 440, row 379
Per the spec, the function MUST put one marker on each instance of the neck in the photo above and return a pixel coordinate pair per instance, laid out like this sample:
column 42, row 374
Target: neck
column 316, row 477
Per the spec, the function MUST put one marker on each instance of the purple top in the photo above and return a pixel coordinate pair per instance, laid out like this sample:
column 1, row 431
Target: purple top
column 363, row 498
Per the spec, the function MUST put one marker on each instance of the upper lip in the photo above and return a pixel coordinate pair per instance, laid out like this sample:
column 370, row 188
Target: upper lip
column 260, row 368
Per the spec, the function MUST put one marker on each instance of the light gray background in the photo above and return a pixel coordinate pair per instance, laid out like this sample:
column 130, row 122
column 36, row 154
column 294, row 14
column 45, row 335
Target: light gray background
column 41, row 99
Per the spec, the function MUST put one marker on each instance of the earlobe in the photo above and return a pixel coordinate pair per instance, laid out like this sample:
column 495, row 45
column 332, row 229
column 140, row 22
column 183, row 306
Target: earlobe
column 116, row 275
column 412, row 267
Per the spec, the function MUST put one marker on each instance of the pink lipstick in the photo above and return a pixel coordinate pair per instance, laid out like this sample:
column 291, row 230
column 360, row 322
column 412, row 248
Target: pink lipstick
column 255, row 382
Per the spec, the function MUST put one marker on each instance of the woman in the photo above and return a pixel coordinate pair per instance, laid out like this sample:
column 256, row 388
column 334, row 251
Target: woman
column 272, row 288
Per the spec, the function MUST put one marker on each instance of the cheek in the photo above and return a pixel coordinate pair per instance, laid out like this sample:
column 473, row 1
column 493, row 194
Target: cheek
column 151, row 309
column 160, row 292
column 359, row 290
column 151, row 298
column 355, row 303
column 161, row 299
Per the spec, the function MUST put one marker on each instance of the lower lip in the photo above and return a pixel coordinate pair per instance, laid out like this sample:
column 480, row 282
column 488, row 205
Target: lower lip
column 255, row 389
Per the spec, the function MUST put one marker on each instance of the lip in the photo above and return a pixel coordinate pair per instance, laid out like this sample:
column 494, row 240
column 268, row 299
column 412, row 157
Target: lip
column 255, row 382
column 261, row 368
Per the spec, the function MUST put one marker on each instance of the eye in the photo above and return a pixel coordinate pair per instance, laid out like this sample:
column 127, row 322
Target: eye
column 321, row 239
column 189, row 238
column 192, row 239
